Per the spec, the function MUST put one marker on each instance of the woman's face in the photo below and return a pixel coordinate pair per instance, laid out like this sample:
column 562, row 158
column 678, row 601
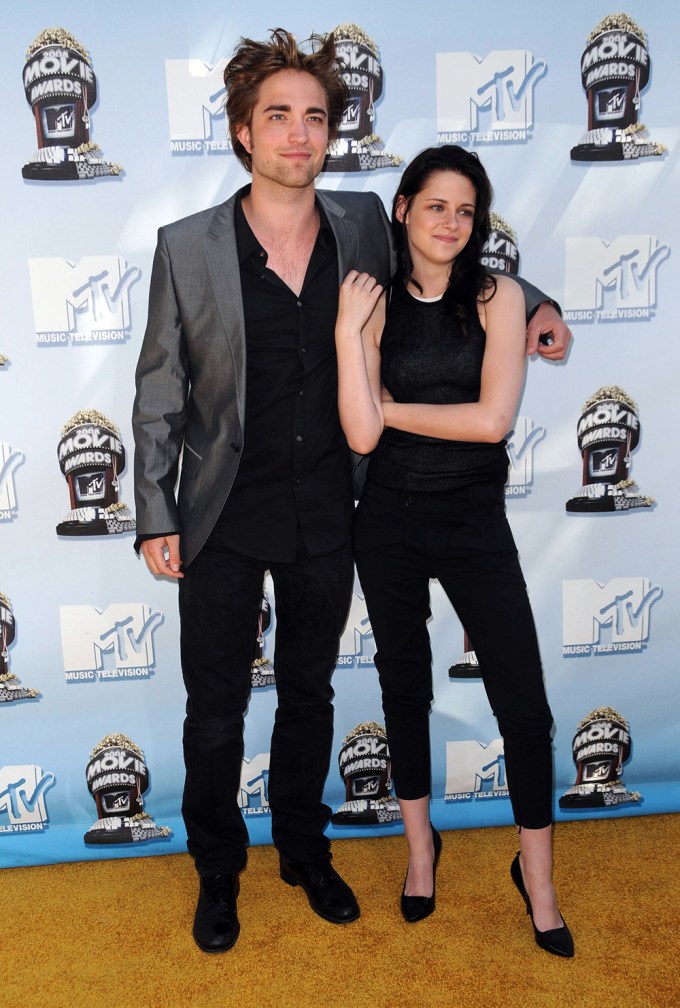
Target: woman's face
column 439, row 219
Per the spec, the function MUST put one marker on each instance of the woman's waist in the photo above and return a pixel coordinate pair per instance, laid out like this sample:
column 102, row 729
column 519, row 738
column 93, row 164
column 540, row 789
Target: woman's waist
column 401, row 458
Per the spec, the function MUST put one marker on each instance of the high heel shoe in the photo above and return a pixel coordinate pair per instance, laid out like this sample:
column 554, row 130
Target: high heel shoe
column 558, row 941
column 417, row 908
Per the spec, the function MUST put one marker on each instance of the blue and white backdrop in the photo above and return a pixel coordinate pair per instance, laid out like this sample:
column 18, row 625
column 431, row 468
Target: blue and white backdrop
column 91, row 701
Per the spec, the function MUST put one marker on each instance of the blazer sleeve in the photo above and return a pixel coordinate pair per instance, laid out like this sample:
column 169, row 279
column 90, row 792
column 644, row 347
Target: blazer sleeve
column 159, row 413
column 533, row 296
column 388, row 243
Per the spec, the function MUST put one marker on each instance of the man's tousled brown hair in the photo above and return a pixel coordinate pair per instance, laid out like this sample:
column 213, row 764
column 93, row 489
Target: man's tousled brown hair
column 253, row 62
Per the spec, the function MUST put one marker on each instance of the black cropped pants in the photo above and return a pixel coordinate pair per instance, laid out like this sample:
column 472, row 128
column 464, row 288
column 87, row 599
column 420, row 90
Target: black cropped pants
column 401, row 541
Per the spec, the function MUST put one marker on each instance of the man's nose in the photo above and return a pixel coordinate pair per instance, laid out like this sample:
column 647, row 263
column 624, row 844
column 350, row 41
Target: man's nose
column 298, row 129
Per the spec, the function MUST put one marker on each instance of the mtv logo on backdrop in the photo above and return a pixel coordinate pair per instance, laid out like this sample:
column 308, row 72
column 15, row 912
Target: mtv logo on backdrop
column 522, row 441
column 82, row 302
column 357, row 646
column 486, row 99
column 253, row 795
column 612, row 280
column 196, row 106
column 475, row 770
column 9, row 460
column 607, row 618
column 111, row 643
column 22, row 798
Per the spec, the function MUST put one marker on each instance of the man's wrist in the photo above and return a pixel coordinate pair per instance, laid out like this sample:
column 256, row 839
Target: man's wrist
column 548, row 301
column 150, row 535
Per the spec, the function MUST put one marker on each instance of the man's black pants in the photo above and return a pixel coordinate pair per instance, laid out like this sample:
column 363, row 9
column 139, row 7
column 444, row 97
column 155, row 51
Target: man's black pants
column 219, row 599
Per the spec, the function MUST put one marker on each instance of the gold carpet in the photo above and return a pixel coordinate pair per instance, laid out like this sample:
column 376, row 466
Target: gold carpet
column 118, row 933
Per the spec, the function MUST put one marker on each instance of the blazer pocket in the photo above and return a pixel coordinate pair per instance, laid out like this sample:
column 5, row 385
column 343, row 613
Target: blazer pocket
column 191, row 462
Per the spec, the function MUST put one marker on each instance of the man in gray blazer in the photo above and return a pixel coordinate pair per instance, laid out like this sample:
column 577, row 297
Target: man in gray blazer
column 237, row 377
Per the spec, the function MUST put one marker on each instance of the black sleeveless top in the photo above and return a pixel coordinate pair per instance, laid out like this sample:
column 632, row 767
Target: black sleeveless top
column 427, row 357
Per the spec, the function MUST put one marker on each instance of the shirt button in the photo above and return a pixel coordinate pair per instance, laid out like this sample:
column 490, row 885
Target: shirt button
column 298, row 437
column 301, row 392
column 303, row 349
column 298, row 482
column 299, row 304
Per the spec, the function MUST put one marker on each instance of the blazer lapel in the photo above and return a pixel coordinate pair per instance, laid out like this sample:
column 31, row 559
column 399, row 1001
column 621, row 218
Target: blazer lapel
column 225, row 278
column 345, row 234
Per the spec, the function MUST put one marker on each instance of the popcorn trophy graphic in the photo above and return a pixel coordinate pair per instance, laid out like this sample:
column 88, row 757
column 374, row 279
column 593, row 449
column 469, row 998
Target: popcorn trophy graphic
column 117, row 777
column 356, row 147
column 91, row 457
column 608, row 431
column 10, row 689
column 601, row 746
column 61, row 88
column 262, row 670
column 467, row 666
column 500, row 251
column 614, row 71
column 366, row 769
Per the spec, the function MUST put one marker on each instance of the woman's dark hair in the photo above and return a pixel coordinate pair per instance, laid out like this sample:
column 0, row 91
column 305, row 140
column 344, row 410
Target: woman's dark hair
column 469, row 280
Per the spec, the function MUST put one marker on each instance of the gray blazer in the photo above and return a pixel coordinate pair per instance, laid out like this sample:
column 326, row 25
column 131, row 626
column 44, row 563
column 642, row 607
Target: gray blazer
column 190, row 401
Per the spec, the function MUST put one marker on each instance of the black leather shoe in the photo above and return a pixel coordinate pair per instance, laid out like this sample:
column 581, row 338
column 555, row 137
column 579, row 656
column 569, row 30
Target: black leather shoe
column 557, row 941
column 329, row 896
column 417, row 908
column 216, row 925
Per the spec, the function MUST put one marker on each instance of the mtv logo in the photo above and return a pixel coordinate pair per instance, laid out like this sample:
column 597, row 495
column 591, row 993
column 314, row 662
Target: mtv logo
column 500, row 85
column 351, row 114
column 610, row 103
column 9, row 460
column 59, row 122
column 116, row 802
column 195, row 98
column 122, row 632
column 472, row 766
column 254, row 780
column 91, row 294
column 593, row 772
column 357, row 637
column 365, row 787
column 615, row 612
column 602, row 462
column 520, row 448
column 624, row 271
column 90, row 487
column 22, row 793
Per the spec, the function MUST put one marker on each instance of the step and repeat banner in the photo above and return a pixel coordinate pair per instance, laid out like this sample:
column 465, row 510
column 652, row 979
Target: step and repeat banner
column 114, row 126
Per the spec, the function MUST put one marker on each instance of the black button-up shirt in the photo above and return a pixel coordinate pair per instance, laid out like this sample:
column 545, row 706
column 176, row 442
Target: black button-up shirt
column 293, row 476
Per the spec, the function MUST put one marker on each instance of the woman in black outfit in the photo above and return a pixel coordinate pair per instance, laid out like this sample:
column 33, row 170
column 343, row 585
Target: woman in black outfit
column 429, row 381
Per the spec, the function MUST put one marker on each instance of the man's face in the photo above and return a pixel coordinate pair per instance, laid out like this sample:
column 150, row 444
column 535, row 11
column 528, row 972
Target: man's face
column 287, row 135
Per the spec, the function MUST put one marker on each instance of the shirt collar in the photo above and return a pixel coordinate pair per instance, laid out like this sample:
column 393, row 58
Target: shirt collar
column 247, row 244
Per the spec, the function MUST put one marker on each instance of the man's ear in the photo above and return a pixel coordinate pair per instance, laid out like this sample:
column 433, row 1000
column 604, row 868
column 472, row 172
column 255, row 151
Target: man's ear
column 243, row 135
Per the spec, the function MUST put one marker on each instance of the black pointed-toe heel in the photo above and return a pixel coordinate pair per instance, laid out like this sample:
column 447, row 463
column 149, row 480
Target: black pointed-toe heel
column 558, row 941
column 417, row 908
